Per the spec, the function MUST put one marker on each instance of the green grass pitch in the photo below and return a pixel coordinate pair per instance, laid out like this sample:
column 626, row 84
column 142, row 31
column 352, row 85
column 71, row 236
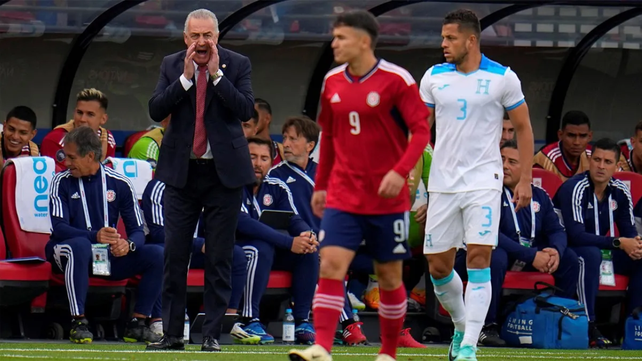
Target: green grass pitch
column 129, row 352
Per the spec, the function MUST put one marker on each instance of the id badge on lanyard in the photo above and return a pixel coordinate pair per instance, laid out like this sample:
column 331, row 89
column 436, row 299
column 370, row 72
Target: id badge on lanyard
column 526, row 242
column 607, row 274
column 100, row 252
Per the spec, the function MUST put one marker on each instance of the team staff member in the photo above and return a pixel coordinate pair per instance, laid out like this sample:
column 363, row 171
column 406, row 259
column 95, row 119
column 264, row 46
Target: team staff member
column 530, row 239
column 300, row 136
column 592, row 204
column 204, row 163
column 86, row 201
column 267, row 248
column 91, row 111
column 17, row 133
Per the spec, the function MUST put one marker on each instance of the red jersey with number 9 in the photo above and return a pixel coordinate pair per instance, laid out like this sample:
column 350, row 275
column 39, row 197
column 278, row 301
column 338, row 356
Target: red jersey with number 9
column 366, row 124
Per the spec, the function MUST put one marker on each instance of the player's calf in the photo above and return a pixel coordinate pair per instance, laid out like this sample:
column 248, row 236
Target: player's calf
column 392, row 305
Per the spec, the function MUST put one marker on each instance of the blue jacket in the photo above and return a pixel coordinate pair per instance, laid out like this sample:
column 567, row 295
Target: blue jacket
column 549, row 232
column 575, row 199
column 68, row 217
column 272, row 194
column 301, row 182
column 153, row 211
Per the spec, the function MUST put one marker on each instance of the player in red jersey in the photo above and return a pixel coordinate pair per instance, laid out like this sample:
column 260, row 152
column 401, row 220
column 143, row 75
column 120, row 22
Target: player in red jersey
column 91, row 110
column 368, row 109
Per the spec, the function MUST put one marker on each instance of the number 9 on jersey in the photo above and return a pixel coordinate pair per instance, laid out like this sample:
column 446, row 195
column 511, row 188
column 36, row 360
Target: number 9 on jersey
column 355, row 123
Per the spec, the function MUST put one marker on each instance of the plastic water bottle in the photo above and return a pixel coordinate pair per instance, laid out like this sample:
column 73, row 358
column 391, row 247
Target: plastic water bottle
column 186, row 329
column 288, row 327
column 355, row 316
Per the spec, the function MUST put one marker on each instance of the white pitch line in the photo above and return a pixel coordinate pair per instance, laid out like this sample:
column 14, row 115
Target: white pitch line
column 61, row 357
column 523, row 355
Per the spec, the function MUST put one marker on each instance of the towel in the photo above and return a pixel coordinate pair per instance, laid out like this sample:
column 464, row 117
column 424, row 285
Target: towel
column 33, row 182
column 138, row 171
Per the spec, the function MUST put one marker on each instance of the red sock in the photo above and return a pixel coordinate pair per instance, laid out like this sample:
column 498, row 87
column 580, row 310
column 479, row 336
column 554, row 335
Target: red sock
column 327, row 305
column 392, row 310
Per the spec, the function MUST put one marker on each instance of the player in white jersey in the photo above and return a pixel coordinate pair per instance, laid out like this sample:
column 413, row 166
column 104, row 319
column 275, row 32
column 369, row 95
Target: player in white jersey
column 469, row 95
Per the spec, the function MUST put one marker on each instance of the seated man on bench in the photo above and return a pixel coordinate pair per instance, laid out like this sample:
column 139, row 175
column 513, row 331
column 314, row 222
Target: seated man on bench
column 267, row 248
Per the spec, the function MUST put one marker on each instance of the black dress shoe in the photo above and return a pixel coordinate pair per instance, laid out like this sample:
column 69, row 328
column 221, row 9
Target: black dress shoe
column 167, row 343
column 210, row 344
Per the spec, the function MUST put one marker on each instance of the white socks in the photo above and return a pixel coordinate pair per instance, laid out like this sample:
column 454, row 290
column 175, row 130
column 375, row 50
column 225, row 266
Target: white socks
column 449, row 292
column 478, row 296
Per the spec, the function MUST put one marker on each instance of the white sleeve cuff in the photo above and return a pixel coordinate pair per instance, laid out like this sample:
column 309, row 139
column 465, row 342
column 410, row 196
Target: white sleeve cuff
column 185, row 82
column 220, row 75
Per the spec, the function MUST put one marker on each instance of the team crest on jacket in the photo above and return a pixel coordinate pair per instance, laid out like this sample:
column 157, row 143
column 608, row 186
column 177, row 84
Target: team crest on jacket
column 536, row 206
column 373, row 99
column 111, row 196
column 267, row 200
column 613, row 205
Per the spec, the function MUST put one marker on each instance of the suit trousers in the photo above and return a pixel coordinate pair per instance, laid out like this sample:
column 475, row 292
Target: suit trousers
column 220, row 205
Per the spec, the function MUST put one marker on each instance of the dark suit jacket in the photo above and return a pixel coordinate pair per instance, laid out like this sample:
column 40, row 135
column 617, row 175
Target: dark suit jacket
column 227, row 104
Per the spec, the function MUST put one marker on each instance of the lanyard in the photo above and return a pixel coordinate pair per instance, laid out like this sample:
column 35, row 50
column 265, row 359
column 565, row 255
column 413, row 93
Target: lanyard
column 596, row 214
column 512, row 210
column 83, row 198
column 256, row 205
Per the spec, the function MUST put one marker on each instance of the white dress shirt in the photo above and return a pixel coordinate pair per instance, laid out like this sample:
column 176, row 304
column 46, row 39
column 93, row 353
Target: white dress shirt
column 187, row 83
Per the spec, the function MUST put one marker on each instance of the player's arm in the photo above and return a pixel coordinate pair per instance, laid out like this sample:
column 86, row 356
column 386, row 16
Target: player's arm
column 326, row 156
column 637, row 214
column 50, row 147
column 517, row 109
column 416, row 114
column 516, row 250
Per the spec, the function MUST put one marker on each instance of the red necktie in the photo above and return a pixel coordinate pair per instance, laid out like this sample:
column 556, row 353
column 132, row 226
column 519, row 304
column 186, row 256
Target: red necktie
column 200, row 135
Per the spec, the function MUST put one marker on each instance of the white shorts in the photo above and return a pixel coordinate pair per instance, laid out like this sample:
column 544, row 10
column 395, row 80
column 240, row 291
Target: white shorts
column 456, row 219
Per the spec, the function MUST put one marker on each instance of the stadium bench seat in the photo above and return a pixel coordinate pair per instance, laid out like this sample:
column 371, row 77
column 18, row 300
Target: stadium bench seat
column 546, row 180
column 29, row 244
column 22, row 283
column 279, row 281
column 621, row 284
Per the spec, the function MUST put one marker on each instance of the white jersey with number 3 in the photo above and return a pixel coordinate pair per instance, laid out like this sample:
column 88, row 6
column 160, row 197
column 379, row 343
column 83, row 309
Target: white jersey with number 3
column 469, row 110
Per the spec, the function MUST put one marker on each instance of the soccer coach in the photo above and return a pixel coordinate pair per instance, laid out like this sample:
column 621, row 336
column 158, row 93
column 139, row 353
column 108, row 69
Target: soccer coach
column 204, row 161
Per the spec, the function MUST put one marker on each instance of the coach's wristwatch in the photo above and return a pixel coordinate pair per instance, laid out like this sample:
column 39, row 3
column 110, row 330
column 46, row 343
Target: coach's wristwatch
column 132, row 246
column 216, row 75
column 616, row 243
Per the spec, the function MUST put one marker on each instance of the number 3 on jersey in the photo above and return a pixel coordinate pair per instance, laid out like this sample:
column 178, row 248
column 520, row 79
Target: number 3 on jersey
column 464, row 109
column 355, row 123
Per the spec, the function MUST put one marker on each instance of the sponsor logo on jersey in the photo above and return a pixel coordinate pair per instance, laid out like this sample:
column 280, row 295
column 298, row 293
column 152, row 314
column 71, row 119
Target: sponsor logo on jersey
column 75, row 196
column 267, row 200
column 373, row 99
column 536, row 206
column 290, row 180
column 60, row 155
column 335, row 98
column 613, row 205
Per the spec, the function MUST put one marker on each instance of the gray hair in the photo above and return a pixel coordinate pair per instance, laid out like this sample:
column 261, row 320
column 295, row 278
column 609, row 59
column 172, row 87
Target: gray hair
column 86, row 141
column 201, row 14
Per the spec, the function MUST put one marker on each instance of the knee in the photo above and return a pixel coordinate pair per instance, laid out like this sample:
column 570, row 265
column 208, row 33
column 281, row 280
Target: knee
column 256, row 251
column 79, row 247
column 570, row 262
column 589, row 258
column 479, row 256
column 152, row 254
column 441, row 265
